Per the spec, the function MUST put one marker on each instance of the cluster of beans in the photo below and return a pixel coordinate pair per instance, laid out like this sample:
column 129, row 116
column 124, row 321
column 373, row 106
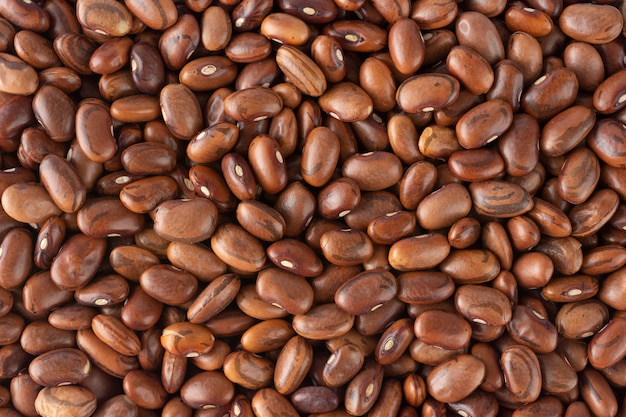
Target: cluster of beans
column 312, row 207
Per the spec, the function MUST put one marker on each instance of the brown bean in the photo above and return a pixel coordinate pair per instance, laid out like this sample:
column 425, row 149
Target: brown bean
column 59, row 366
column 532, row 329
column 318, row 11
column 254, row 307
column 63, row 183
column 187, row 339
column 347, row 102
column 471, row 266
column 115, row 334
column 168, row 284
column 424, row 287
column 571, row 288
column 410, row 95
column 292, row 365
column 467, row 371
column 312, row 399
column 404, row 32
column 216, row 28
column 608, row 150
column 169, row 213
column 27, row 42
column 346, row 247
column 432, row 249
column 105, row 290
column 249, row 256
column 588, row 217
column 357, row 35
column 208, row 73
column 268, row 402
column 473, row 29
column 323, row 321
column 111, row 56
column 183, row 124
column 500, row 199
column 267, row 335
column 239, row 176
column 285, row 290
column 19, row 77
column 248, row 370
column 67, row 399
column 364, row 389
column 68, row 274
column 581, row 319
column 208, row 183
column 451, row 202
column 144, row 389
column 267, row 163
column 101, row 355
column 156, row 15
column 74, row 50
column 464, row 63
column 585, row 27
column 427, row 323
column 380, row 287
column 212, row 143
column 120, row 404
column 483, row 305
column 478, row 126
column 539, row 100
column 15, row 263
column 605, row 349
column 394, row 341
column 174, row 52
column 301, row 70
column 554, row 139
column 106, row 217
column 464, row 164
column 597, row 393
column 524, row 386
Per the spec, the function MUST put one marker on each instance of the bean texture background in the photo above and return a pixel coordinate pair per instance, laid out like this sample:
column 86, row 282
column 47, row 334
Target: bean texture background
column 320, row 208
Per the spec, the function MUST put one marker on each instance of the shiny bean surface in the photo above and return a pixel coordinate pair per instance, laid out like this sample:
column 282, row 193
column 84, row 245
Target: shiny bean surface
column 312, row 208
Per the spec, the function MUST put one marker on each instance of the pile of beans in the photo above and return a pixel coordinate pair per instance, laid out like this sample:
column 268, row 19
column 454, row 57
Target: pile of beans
column 312, row 208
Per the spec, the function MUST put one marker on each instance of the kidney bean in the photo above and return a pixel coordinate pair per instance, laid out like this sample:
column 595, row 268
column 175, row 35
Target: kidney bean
column 268, row 402
column 74, row 50
column 426, row 324
column 250, row 303
column 597, row 394
column 248, row 370
column 410, row 98
column 432, row 249
column 293, row 151
column 59, row 366
column 187, row 339
column 20, row 77
column 71, row 399
column 467, row 370
column 463, row 63
column 285, row 290
column 268, row 164
column 168, row 284
column 603, row 205
column 301, row 70
column 267, row 335
column 292, row 364
column 323, row 321
column 585, row 29
column 605, row 349
column 104, row 17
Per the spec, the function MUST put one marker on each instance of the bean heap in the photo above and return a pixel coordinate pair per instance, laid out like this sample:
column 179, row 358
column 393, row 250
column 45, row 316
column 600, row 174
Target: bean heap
column 312, row 208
